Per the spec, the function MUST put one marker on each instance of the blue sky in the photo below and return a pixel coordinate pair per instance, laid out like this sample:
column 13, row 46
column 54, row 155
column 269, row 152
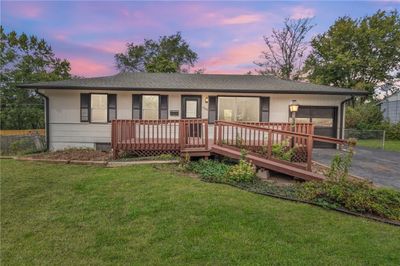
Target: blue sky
column 228, row 36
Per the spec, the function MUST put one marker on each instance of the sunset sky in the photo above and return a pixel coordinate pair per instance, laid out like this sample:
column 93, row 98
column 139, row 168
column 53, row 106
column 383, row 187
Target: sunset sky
column 226, row 35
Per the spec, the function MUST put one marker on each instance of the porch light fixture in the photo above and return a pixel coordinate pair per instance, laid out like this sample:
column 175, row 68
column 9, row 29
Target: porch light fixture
column 294, row 106
column 206, row 99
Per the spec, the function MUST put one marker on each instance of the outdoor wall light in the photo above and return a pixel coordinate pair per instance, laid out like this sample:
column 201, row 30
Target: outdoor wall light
column 206, row 99
column 294, row 106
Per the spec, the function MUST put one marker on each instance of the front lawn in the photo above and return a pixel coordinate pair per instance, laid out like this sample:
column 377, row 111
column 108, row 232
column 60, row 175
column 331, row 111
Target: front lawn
column 81, row 215
column 390, row 145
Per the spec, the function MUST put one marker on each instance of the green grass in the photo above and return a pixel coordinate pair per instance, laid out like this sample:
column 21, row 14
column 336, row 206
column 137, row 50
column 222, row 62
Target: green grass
column 390, row 145
column 82, row 215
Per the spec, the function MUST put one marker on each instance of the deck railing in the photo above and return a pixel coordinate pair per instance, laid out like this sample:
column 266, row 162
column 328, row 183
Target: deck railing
column 285, row 146
column 146, row 137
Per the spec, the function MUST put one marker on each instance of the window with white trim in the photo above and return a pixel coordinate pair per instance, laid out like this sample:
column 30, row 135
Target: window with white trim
column 239, row 109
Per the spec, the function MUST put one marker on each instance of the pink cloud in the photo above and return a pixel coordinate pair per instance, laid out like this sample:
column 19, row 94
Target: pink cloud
column 89, row 68
column 109, row 46
column 235, row 59
column 242, row 19
column 25, row 10
column 300, row 12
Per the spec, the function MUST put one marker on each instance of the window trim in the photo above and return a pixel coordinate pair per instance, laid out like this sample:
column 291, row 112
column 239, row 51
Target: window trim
column 198, row 97
column 141, row 104
column 242, row 96
column 90, row 108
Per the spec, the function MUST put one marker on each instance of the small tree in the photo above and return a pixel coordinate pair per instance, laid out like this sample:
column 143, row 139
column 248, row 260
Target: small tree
column 168, row 54
column 285, row 49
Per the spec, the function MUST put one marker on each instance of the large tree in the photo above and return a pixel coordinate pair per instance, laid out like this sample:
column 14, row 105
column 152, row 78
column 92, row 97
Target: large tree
column 25, row 59
column 357, row 53
column 285, row 48
column 167, row 54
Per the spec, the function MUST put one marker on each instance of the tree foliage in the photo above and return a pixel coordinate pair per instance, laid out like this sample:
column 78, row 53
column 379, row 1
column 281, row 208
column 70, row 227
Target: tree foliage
column 25, row 59
column 364, row 116
column 168, row 54
column 285, row 48
column 357, row 53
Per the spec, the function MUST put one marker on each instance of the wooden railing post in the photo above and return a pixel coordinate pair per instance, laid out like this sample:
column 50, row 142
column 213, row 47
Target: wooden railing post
column 215, row 132
column 269, row 143
column 310, row 142
column 206, row 133
column 220, row 134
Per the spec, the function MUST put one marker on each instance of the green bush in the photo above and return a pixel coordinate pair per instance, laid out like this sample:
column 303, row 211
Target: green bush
column 340, row 165
column 244, row 171
column 392, row 131
column 282, row 151
column 210, row 169
column 353, row 195
column 364, row 116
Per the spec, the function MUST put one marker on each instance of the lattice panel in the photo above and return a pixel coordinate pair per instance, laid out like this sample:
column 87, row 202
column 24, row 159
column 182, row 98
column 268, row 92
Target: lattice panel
column 150, row 153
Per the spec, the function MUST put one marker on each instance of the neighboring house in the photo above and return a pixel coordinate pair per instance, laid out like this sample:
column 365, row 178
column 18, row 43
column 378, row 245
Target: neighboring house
column 79, row 111
column 390, row 108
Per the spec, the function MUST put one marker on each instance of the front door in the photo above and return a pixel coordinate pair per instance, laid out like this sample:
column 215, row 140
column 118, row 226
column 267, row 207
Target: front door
column 191, row 109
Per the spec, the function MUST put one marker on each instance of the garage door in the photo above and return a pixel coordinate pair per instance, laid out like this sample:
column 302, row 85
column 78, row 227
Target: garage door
column 325, row 120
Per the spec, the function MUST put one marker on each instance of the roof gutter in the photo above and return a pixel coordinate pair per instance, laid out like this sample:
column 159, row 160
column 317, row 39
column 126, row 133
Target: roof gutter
column 108, row 88
column 47, row 116
column 342, row 111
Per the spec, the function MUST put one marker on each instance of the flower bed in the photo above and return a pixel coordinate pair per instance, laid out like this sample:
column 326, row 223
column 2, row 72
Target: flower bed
column 73, row 154
column 349, row 195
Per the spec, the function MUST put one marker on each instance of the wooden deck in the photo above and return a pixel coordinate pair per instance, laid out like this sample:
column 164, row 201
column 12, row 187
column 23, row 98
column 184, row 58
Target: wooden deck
column 275, row 146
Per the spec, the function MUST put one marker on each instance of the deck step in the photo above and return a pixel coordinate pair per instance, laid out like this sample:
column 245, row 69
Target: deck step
column 268, row 164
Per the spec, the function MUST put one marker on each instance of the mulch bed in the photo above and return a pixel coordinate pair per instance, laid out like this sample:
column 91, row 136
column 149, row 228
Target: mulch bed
column 74, row 154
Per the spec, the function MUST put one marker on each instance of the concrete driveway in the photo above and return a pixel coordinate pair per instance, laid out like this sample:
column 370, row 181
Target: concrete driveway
column 381, row 167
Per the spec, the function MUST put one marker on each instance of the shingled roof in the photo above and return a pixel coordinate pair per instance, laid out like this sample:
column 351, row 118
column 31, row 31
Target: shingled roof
column 193, row 83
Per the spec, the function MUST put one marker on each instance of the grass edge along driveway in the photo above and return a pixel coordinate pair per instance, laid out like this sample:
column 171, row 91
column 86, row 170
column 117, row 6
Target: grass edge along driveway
column 70, row 214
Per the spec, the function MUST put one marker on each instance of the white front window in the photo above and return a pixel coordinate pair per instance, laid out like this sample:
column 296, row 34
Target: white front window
column 150, row 107
column 239, row 109
column 98, row 107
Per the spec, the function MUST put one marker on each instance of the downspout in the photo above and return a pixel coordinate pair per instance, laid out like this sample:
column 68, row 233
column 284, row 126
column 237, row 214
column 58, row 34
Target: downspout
column 342, row 110
column 47, row 116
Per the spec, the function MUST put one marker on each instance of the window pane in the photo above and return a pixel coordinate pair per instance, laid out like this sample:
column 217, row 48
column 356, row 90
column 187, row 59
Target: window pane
column 301, row 120
column 248, row 109
column 191, row 109
column 150, row 107
column 323, row 122
column 239, row 108
column 99, row 108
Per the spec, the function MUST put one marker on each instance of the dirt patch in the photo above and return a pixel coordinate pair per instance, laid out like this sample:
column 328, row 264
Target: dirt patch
column 74, row 154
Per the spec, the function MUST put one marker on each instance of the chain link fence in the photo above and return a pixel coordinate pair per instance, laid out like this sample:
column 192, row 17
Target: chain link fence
column 16, row 142
column 367, row 138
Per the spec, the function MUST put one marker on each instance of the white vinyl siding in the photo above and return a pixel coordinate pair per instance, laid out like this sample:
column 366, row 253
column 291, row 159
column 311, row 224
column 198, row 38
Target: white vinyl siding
column 66, row 130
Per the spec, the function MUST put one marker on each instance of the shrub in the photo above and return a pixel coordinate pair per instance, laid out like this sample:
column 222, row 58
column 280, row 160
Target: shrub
column 210, row 169
column 364, row 116
column 356, row 196
column 340, row 165
column 244, row 171
column 392, row 131
column 282, row 151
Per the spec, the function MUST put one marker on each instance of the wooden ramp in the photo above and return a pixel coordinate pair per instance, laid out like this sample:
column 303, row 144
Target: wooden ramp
column 267, row 164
